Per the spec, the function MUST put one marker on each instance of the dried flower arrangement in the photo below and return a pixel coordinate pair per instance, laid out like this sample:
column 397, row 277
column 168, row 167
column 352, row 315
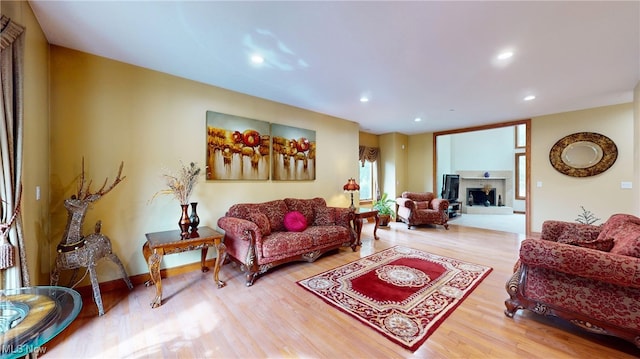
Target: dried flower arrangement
column 182, row 184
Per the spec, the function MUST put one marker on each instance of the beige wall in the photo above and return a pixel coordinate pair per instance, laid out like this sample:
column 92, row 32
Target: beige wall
column 109, row 112
column 368, row 139
column 393, row 163
column 420, row 168
column 35, row 214
column 561, row 196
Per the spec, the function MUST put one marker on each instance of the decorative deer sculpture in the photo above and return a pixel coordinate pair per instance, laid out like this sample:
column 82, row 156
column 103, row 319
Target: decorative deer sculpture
column 75, row 250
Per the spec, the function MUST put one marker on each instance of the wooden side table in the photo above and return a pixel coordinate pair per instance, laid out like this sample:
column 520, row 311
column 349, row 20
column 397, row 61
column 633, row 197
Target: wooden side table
column 169, row 242
column 362, row 213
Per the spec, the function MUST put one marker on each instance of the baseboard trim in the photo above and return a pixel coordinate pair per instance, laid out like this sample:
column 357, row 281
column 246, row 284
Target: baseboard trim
column 138, row 279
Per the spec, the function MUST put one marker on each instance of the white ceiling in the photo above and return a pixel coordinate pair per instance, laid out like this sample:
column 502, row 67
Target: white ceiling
column 433, row 60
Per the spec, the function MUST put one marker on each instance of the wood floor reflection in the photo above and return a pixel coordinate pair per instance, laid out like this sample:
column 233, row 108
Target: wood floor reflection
column 275, row 318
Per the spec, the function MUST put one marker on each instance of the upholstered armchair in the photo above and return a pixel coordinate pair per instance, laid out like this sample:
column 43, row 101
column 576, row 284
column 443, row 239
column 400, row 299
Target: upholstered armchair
column 588, row 275
column 416, row 208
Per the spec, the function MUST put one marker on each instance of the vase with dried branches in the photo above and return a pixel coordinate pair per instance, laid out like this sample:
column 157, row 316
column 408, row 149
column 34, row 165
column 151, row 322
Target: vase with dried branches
column 181, row 186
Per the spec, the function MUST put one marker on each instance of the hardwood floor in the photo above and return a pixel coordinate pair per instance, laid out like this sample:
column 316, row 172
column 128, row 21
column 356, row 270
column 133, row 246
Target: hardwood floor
column 276, row 318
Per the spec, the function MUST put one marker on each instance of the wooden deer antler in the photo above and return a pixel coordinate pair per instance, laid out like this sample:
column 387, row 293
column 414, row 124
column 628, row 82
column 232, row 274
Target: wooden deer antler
column 85, row 194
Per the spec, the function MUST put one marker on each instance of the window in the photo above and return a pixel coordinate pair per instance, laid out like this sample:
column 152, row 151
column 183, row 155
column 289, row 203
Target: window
column 366, row 180
column 521, row 176
column 521, row 135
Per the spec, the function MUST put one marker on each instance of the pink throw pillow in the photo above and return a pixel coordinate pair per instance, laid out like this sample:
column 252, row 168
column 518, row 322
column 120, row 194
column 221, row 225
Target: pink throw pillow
column 295, row 221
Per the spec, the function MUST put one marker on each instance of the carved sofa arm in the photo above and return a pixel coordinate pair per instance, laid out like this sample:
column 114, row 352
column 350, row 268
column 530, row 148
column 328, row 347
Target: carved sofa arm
column 238, row 228
column 584, row 262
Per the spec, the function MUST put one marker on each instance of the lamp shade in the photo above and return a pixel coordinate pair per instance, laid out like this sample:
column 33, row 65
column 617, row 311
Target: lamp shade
column 351, row 186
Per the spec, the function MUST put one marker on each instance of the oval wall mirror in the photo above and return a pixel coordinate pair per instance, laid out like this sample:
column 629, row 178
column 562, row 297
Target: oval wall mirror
column 583, row 154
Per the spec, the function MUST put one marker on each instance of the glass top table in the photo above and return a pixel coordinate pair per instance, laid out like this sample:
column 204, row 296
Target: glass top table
column 31, row 316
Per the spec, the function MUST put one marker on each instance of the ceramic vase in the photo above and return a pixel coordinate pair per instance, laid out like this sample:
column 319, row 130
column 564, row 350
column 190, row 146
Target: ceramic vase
column 184, row 221
column 193, row 218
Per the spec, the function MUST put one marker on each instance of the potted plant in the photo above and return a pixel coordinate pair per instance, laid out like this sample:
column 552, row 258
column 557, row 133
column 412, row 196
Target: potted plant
column 386, row 209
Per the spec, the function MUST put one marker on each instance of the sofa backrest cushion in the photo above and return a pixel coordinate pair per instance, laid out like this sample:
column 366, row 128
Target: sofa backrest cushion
column 261, row 220
column 295, row 221
column 419, row 196
column 584, row 235
column 325, row 216
column 273, row 210
column 305, row 206
column 422, row 205
column 624, row 229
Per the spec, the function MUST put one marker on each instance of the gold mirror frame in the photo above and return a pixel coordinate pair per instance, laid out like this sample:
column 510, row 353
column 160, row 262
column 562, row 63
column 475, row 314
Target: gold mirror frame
column 605, row 148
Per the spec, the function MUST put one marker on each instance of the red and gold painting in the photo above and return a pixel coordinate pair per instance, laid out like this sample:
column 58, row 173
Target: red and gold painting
column 293, row 152
column 237, row 148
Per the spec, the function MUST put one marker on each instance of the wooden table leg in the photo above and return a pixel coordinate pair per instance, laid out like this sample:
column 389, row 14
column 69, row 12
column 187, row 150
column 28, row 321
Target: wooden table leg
column 203, row 258
column 375, row 229
column 358, row 223
column 154, row 272
column 221, row 248
column 146, row 253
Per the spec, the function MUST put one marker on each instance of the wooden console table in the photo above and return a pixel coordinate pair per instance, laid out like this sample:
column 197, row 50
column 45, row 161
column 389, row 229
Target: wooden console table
column 169, row 242
column 362, row 213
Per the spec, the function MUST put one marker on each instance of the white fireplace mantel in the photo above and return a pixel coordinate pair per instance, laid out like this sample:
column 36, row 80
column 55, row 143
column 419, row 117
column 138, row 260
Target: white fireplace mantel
column 502, row 181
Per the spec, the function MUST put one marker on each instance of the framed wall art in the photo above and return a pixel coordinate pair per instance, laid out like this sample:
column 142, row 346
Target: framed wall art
column 293, row 153
column 237, row 148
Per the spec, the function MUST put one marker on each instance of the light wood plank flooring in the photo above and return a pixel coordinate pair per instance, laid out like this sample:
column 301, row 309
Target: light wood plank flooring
column 276, row 318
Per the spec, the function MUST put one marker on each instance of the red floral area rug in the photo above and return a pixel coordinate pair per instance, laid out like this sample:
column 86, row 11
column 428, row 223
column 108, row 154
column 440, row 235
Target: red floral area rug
column 400, row 292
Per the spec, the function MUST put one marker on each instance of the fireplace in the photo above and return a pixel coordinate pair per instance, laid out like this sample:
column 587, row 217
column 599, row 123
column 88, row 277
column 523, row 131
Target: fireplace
column 500, row 196
column 479, row 197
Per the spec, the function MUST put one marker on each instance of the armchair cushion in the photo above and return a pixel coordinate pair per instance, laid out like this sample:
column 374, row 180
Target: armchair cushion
column 422, row 205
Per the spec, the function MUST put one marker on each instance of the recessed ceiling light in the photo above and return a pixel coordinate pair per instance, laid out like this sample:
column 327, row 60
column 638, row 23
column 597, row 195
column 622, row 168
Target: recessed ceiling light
column 364, row 99
column 417, row 119
column 529, row 98
column 505, row 55
column 257, row 59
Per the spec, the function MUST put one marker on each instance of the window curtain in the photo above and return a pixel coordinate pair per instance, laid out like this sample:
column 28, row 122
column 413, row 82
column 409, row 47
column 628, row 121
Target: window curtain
column 371, row 154
column 16, row 274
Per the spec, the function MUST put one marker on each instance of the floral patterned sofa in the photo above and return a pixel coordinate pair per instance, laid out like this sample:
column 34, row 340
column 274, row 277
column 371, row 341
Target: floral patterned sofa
column 586, row 274
column 260, row 236
column 415, row 208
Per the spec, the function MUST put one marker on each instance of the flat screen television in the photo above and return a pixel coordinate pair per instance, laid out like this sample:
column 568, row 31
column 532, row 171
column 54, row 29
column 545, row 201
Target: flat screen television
column 450, row 186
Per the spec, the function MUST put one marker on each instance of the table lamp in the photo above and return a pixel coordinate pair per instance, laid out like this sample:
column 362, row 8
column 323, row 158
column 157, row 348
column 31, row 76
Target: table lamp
column 351, row 187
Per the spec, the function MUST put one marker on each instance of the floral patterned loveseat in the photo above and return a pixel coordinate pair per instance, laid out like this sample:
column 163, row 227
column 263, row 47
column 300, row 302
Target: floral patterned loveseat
column 256, row 234
column 586, row 274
